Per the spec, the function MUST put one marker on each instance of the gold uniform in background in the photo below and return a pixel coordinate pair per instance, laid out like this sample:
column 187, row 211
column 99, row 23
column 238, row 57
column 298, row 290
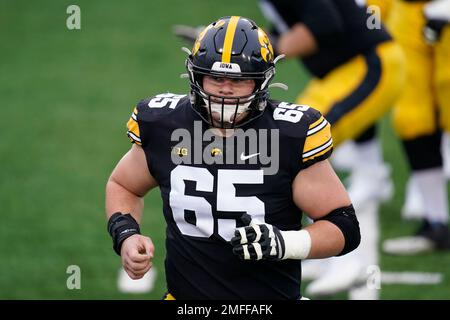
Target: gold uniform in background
column 342, row 83
column 427, row 90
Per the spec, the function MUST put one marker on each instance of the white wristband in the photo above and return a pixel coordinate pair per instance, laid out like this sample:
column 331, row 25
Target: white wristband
column 297, row 243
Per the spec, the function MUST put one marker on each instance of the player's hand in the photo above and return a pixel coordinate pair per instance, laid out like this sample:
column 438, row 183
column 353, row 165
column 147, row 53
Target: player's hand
column 258, row 241
column 137, row 254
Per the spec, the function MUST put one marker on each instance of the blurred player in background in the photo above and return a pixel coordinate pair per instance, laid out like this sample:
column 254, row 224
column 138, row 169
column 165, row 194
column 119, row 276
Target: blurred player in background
column 422, row 28
column 358, row 72
column 413, row 207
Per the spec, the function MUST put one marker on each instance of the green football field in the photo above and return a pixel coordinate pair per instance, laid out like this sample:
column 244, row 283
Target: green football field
column 65, row 98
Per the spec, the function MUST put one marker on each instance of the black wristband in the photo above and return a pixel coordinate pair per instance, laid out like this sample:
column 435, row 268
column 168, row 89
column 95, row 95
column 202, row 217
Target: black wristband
column 120, row 227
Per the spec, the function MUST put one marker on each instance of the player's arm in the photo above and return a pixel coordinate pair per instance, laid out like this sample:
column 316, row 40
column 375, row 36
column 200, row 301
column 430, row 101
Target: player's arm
column 125, row 189
column 128, row 183
column 298, row 41
column 318, row 191
column 319, row 22
column 335, row 231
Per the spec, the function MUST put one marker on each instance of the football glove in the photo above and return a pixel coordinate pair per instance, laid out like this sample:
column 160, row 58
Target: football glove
column 258, row 241
column 264, row 241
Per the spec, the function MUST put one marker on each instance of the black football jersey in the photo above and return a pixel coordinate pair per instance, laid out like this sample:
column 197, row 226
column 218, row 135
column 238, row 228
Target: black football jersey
column 207, row 183
column 342, row 29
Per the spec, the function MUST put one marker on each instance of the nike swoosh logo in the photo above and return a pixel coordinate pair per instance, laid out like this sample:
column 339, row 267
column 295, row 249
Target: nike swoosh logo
column 244, row 157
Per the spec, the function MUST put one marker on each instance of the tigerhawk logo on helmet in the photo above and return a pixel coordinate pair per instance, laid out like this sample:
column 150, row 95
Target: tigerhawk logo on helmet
column 231, row 47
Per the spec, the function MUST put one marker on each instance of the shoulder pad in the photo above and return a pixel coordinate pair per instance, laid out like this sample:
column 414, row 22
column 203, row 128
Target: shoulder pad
column 161, row 105
column 318, row 141
column 308, row 126
column 152, row 109
column 293, row 120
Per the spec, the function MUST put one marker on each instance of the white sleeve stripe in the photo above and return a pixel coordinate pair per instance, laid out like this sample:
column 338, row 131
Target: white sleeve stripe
column 134, row 117
column 318, row 149
column 317, row 128
column 133, row 136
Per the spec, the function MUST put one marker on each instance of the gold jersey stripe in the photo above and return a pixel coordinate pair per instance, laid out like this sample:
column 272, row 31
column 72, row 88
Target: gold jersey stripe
column 319, row 154
column 133, row 128
column 317, row 139
column 317, row 128
column 133, row 138
column 315, row 124
column 229, row 37
column 318, row 149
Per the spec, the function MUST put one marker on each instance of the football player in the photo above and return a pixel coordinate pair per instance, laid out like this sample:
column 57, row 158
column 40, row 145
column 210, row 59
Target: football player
column 413, row 207
column 357, row 73
column 420, row 116
column 233, row 221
